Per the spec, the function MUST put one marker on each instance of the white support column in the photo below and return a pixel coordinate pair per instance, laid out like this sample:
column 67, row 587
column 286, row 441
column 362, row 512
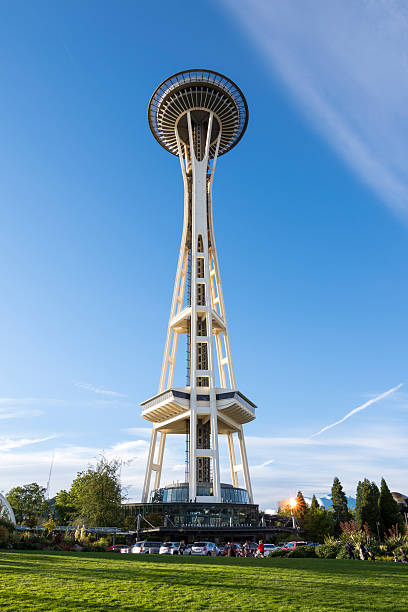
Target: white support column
column 199, row 227
column 160, row 459
column 178, row 292
column 244, row 461
column 149, row 467
column 217, row 282
column 211, row 360
column 231, row 450
column 193, row 323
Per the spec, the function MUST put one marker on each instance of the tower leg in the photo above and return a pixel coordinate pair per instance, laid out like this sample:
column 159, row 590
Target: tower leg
column 231, row 451
column 244, row 461
column 159, row 464
column 152, row 448
column 214, row 446
column 193, row 454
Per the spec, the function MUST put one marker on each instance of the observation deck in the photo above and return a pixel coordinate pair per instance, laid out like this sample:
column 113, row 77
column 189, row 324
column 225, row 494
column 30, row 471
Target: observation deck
column 168, row 408
column 200, row 92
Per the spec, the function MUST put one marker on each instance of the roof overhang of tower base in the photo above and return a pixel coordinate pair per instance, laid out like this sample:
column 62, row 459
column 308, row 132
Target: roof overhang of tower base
column 168, row 409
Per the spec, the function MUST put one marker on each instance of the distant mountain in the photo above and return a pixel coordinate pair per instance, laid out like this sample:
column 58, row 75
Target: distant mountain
column 323, row 500
column 326, row 501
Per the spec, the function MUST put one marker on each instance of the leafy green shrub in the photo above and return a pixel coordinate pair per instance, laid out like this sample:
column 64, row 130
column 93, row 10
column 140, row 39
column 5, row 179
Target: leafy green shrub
column 28, row 541
column 395, row 540
column 277, row 553
column 343, row 554
column 302, row 552
column 7, row 524
column 4, row 536
column 328, row 551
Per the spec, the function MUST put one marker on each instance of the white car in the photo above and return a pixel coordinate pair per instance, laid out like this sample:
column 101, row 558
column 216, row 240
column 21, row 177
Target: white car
column 125, row 549
column 205, row 549
column 144, row 547
column 172, row 548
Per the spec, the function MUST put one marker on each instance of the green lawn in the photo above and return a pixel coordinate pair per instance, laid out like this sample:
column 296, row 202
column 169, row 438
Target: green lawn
column 104, row 581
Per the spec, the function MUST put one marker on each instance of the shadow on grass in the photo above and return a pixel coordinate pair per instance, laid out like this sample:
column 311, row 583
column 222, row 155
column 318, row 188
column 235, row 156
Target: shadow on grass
column 196, row 570
column 88, row 580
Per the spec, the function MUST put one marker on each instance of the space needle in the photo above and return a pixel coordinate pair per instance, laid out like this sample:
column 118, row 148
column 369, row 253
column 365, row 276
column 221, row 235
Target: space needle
column 198, row 116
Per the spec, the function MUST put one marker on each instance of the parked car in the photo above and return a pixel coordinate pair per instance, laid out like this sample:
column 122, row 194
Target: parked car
column 125, row 549
column 270, row 547
column 236, row 547
column 205, row 549
column 172, row 548
column 144, row 547
column 115, row 548
column 292, row 545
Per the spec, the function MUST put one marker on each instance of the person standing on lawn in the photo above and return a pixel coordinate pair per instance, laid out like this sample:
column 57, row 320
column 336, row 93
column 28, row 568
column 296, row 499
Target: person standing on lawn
column 182, row 547
column 362, row 551
column 260, row 551
column 350, row 550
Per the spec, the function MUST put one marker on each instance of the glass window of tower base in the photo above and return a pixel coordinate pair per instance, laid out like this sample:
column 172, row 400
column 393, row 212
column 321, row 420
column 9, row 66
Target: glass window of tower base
column 198, row 514
column 179, row 493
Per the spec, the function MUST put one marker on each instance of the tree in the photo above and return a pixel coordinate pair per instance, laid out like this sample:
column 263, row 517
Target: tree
column 28, row 503
column 388, row 509
column 50, row 525
column 314, row 505
column 339, row 503
column 301, row 508
column 64, row 507
column 97, row 494
column 367, row 510
column 318, row 524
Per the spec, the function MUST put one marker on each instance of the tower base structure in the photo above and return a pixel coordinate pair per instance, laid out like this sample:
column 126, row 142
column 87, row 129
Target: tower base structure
column 216, row 522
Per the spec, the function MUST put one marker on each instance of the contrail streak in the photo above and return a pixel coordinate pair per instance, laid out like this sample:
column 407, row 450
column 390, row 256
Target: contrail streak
column 358, row 409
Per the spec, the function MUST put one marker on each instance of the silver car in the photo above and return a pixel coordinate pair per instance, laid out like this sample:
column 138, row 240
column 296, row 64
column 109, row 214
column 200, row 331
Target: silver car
column 205, row 549
column 144, row 547
column 172, row 548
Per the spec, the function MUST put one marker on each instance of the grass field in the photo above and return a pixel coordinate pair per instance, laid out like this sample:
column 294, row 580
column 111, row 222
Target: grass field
column 105, row 581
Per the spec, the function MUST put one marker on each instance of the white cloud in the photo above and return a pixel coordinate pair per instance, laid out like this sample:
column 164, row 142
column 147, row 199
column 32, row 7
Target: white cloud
column 131, row 446
column 18, row 414
column 344, row 64
column 296, row 463
column 279, row 465
column 359, row 409
column 20, row 407
column 262, row 465
column 7, row 444
column 98, row 390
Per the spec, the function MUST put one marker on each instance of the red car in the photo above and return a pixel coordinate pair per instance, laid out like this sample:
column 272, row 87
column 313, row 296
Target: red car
column 292, row 545
column 116, row 548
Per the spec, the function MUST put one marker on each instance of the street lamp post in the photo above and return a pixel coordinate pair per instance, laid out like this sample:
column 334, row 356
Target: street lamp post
column 293, row 504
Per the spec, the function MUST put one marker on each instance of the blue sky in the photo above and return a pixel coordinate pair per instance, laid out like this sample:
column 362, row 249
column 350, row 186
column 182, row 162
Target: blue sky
column 311, row 217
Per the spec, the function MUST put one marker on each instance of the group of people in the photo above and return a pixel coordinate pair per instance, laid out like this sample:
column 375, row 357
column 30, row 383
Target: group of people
column 246, row 550
column 364, row 552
